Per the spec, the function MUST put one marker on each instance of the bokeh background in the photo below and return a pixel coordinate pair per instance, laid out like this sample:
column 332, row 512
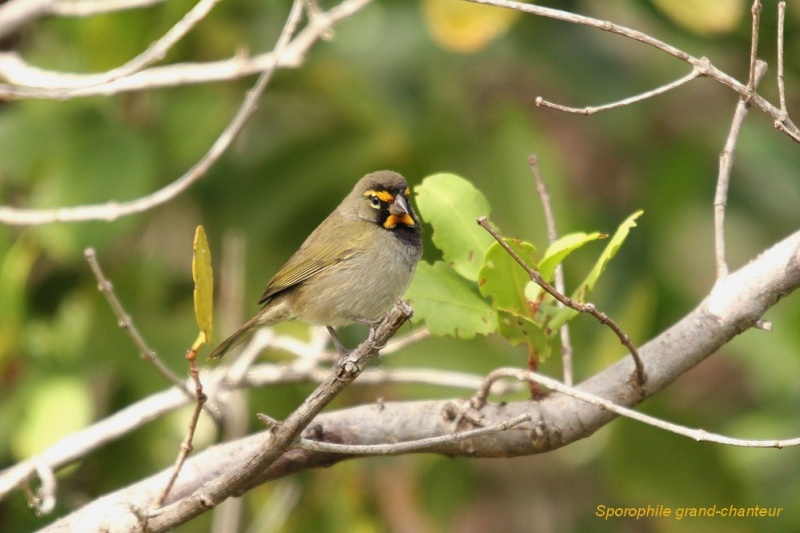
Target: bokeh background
column 418, row 87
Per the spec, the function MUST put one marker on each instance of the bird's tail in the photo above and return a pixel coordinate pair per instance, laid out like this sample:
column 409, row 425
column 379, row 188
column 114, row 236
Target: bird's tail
column 238, row 337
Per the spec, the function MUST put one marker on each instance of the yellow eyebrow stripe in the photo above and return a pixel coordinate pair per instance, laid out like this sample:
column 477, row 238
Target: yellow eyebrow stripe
column 383, row 196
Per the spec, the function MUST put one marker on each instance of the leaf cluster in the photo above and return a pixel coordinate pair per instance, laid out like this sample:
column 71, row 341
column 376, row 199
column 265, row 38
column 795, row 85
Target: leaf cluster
column 477, row 288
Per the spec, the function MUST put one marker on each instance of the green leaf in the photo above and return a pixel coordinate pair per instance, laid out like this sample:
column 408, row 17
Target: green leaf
column 448, row 303
column 560, row 249
column 613, row 246
column 504, row 280
column 610, row 251
column 203, row 277
column 521, row 329
column 452, row 206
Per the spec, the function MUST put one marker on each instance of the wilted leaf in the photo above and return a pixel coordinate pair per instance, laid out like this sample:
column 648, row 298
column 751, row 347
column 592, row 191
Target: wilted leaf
column 452, row 205
column 203, row 284
column 448, row 303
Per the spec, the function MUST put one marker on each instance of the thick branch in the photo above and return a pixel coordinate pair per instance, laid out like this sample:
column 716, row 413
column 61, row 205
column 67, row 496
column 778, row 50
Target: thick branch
column 735, row 304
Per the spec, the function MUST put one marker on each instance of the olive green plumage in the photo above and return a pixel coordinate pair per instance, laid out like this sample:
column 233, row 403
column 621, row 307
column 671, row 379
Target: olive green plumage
column 351, row 268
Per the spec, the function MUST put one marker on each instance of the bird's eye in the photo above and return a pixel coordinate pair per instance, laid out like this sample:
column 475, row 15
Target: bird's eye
column 375, row 202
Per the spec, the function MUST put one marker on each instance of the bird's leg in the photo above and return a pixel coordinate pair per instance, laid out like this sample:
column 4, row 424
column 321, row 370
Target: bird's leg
column 371, row 323
column 337, row 341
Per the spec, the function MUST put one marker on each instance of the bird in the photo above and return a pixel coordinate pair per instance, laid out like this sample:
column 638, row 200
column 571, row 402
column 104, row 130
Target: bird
column 350, row 269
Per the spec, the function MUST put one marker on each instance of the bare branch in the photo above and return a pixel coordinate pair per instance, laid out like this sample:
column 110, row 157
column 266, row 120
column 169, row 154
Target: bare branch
column 753, row 76
column 85, row 8
column 219, row 384
column 699, row 435
column 724, row 175
column 16, row 13
column 18, row 73
column 590, row 110
column 155, row 52
column 186, row 445
column 112, row 210
column 781, row 88
column 282, row 437
column 554, row 421
column 700, row 65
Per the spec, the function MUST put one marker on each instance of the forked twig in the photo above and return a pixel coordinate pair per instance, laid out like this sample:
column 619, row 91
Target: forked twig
column 700, row 435
column 639, row 374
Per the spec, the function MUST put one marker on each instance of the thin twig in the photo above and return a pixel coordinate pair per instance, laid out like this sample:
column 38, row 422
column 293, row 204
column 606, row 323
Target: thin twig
column 272, row 374
column 752, row 76
column 17, row 72
column 155, row 52
column 701, row 65
column 186, row 445
column 113, row 210
column 590, row 110
column 697, row 434
column 552, row 235
column 781, row 88
column 85, row 8
column 724, row 175
column 639, row 374
column 16, row 13
column 126, row 323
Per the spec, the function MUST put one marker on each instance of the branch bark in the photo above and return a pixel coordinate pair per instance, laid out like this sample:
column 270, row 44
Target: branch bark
column 735, row 303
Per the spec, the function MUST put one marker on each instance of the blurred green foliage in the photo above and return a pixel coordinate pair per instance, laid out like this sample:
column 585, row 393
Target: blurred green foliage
column 382, row 93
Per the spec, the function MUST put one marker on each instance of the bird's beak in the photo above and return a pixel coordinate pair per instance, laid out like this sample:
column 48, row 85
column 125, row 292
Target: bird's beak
column 399, row 213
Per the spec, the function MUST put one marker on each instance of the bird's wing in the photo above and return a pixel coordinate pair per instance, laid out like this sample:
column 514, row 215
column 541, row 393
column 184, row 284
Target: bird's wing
column 300, row 267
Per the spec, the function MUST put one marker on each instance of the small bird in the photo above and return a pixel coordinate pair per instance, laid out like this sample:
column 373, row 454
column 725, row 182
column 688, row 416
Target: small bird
column 351, row 268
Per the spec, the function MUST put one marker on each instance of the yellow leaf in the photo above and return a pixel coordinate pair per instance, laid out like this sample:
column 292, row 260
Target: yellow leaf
column 706, row 17
column 203, row 277
column 464, row 27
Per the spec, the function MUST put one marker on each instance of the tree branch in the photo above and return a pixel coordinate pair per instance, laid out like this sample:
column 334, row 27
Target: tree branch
column 736, row 303
column 700, row 65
